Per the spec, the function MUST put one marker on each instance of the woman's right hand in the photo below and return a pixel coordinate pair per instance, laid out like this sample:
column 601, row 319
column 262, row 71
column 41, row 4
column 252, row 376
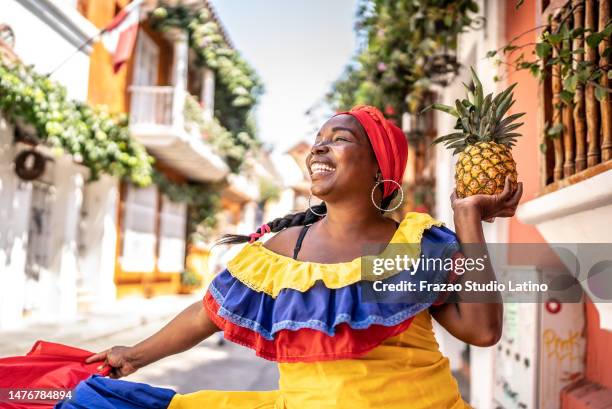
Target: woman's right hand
column 121, row 360
column 187, row 329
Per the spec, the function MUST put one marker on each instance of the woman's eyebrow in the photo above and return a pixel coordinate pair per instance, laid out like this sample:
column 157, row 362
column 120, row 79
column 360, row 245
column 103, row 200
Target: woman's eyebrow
column 341, row 128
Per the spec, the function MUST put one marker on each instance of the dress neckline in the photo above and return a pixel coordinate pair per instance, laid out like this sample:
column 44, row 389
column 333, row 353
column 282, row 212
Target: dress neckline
column 265, row 270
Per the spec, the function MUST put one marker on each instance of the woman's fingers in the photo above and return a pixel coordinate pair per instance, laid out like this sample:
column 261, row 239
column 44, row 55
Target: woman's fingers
column 100, row 356
column 516, row 197
column 115, row 373
column 507, row 192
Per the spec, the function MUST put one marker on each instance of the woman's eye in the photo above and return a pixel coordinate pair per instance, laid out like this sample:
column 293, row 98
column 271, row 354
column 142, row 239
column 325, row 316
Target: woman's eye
column 342, row 138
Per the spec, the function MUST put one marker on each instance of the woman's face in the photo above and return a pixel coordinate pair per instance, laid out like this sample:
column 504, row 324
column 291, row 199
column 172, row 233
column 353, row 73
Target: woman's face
column 341, row 161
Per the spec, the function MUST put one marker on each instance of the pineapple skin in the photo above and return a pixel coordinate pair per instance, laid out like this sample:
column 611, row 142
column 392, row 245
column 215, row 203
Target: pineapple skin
column 482, row 169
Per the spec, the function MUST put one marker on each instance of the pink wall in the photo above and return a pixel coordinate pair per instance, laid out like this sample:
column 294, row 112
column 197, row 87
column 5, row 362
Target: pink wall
column 599, row 355
column 527, row 151
column 527, row 155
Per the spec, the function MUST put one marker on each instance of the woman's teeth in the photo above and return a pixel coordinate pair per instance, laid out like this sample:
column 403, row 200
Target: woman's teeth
column 321, row 168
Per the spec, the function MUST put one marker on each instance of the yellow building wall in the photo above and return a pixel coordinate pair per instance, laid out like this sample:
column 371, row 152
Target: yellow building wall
column 105, row 86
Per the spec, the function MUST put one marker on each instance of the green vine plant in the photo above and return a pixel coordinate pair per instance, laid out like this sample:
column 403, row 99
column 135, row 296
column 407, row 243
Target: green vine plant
column 238, row 87
column 232, row 149
column 202, row 200
column 268, row 190
column 407, row 45
column 553, row 48
column 96, row 138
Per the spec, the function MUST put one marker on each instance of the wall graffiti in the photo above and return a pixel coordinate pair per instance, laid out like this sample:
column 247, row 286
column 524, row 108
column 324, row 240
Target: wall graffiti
column 562, row 348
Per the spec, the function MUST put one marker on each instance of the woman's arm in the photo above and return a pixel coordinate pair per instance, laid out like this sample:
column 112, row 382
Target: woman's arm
column 477, row 323
column 186, row 330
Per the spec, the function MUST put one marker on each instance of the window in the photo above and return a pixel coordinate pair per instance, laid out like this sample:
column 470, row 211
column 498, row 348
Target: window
column 140, row 210
column 173, row 223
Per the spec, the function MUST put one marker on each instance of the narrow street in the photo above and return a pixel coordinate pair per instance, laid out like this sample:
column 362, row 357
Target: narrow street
column 162, row 154
column 206, row 366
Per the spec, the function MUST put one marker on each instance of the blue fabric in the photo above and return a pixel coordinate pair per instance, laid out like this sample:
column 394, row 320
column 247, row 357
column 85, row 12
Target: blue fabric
column 97, row 392
column 323, row 309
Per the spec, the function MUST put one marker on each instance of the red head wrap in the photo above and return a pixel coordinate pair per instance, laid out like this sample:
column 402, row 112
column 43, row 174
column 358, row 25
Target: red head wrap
column 388, row 141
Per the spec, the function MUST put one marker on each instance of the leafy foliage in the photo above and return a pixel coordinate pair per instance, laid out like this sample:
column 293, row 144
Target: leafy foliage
column 232, row 149
column 408, row 44
column 190, row 278
column 268, row 190
column 238, row 87
column 553, row 49
column 203, row 200
column 94, row 137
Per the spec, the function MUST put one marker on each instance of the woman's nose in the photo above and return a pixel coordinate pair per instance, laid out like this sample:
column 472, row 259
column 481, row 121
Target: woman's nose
column 319, row 148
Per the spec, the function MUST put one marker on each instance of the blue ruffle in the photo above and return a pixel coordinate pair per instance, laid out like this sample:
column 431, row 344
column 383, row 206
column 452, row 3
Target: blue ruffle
column 105, row 393
column 323, row 309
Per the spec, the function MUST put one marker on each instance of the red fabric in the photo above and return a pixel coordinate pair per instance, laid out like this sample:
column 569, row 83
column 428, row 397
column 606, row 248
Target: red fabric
column 125, row 46
column 118, row 19
column 119, row 36
column 388, row 141
column 47, row 366
column 305, row 345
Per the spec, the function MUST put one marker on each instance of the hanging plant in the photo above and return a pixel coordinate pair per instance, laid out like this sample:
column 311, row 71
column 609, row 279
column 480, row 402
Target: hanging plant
column 94, row 137
column 568, row 48
column 203, row 200
column 408, row 45
column 238, row 86
column 232, row 149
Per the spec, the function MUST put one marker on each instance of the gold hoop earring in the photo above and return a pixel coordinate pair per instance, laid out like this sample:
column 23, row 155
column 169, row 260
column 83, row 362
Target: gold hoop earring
column 396, row 206
column 312, row 211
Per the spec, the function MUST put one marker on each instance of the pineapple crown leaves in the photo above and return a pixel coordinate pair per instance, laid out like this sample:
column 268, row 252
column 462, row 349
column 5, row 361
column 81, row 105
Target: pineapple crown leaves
column 480, row 118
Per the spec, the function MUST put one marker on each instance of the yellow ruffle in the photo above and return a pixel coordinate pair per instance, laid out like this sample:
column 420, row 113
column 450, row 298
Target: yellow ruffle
column 264, row 270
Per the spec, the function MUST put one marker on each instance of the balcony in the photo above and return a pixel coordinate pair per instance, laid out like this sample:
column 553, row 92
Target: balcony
column 157, row 121
column 580, row 146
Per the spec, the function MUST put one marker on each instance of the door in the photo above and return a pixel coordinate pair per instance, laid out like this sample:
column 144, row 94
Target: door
column 38, row 247
column 146, row 97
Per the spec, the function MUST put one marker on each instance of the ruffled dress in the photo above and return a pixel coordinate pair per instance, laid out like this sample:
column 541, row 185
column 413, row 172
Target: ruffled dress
column 336, row 345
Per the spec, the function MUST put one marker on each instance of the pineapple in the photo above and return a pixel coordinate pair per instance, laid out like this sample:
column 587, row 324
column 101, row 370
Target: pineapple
column 483, row 141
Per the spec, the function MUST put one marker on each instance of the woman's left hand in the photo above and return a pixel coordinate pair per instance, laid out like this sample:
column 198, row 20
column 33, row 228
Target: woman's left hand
column 491, row 206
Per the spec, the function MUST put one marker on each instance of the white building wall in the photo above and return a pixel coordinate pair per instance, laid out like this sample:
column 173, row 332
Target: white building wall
column 14, row 215
column 97, row 240
column 47, row 35
column 472, row 50
column 58, row 283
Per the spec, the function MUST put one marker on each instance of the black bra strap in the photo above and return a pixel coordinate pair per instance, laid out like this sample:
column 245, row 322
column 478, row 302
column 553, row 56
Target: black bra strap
column 298, row 243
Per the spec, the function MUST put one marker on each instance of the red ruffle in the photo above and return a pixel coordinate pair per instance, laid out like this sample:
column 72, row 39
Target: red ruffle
column 305, row 345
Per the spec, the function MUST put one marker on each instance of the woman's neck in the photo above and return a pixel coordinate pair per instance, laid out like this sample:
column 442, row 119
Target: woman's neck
column 352, row 217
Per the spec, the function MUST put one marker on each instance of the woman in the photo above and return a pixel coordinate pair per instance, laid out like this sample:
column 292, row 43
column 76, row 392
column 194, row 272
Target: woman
column 299, row 298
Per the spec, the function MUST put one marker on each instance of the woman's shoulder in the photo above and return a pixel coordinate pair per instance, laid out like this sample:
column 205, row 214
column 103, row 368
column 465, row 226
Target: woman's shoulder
column 284, row 241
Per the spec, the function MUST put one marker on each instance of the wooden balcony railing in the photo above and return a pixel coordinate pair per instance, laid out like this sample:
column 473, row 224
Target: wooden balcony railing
column 585, row 146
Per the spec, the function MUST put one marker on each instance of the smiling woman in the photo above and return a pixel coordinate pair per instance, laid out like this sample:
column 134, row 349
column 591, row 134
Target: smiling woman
column 298, row 299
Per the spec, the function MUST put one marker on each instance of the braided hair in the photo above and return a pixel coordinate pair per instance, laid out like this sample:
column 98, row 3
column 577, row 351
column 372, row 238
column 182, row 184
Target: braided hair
column 294, row 219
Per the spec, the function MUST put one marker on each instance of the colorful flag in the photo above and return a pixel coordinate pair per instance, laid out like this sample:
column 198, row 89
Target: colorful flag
column 119, row 36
